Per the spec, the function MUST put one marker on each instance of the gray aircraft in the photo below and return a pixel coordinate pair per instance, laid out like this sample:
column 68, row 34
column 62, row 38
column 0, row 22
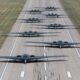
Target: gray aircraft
column 35, row 11
column 52, row 15
column 58, row 26
column 49, row 8
column 31, row 20
column 29, row 34
column 25, row 58
column 58, row 44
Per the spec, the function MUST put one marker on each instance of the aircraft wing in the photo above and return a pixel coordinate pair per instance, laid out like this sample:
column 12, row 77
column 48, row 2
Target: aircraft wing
column 46, row 7
column 66, row 43
column 16, row 33
column 47, row 19
column 41, row 57
column 38, row 42
column 67, row 25
column 21, row 19
column 10, row 57
column 40, row 25
column 47, row 32
column 55, row 43
column 73, row 44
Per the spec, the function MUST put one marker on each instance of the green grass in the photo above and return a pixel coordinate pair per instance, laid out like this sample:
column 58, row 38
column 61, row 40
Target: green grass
column 9, row 9
column 72, row 7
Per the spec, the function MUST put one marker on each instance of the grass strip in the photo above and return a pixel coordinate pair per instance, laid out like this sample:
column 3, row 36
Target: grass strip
column 9, row 9
column 72, row 7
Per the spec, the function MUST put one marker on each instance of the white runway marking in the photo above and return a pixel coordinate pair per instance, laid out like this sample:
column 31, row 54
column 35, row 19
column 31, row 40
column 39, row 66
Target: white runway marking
column 73, row 41
column 10, row 55
column 44, row 55
column 44, row 48
column 45, row 66
column 22, row 74
column 45, row 63
column 45, row 78
column 69, row 74
column 14, row 43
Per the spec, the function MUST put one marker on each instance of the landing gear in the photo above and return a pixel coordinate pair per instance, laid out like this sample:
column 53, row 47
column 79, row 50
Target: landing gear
column 25, row 61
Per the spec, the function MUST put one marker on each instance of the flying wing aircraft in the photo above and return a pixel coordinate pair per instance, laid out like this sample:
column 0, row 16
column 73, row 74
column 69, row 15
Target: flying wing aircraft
column 49, row 8
column 58, row 44
column 29, row 34
column 32, row 20
column 57, row 26
column 25, row 58
column 35, row 11
column 52, row 15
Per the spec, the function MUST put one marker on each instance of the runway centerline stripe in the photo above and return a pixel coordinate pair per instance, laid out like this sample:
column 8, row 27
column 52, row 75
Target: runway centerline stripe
column 44, row 55
column 69, row 74
column 45, row 63
column 22, row 74
column 45, row 77
column 45, row 66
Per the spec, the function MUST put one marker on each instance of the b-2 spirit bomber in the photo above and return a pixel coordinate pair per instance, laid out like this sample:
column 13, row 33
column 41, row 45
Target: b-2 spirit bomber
column 35, row 11
column 58, row 26
column 29, row 34
column 58, row 44
column 48, row 8
column 31, row 20
column 52, row 15
column 25, row 58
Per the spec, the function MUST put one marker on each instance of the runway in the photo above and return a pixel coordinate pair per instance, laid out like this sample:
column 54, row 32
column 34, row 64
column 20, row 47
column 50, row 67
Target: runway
column 55, row 70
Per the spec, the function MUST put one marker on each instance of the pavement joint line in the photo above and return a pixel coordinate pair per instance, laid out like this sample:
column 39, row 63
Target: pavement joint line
column 22, row 74
column 69, row 74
